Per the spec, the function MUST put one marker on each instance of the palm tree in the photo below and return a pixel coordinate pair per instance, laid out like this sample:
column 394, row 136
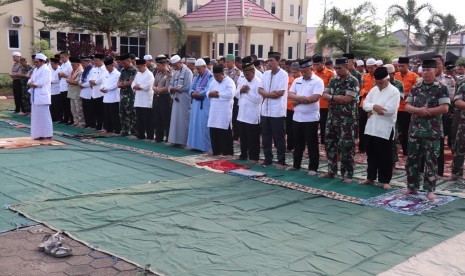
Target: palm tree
column 439, row 27
column 410, row 15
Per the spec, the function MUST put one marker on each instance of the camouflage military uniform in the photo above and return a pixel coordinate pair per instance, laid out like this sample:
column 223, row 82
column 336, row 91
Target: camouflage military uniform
column 459, row 144
column 358, row 76
column 395, row 157
column 234, row 74
column 425, row 134
column 457, row 113
column 26, row 97
column 340, row 126
column 127, row 110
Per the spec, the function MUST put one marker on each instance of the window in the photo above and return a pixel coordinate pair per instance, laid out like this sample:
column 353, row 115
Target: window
column 99, row 41
column 190, row 6
column 114, row 43
column 45, row 35
column 221, row 49
column 61, row 41
column 262, row 3
column 236, row 49
column 252, row 49
column 289, row 53
column 273, row 8
column 13, row 39
column 230, row 48
column 260, row 51
column 291, row 10
column 271, row 48
column 132, row 45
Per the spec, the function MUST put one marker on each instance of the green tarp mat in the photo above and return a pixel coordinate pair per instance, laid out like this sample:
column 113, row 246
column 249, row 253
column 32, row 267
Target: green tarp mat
column 219, row 224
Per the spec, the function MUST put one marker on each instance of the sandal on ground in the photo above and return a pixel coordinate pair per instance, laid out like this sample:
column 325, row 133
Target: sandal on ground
column 59, row 251
column 50, row 240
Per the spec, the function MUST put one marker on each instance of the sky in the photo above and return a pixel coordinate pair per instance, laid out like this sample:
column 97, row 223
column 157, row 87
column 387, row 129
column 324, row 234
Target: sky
column 454, row 7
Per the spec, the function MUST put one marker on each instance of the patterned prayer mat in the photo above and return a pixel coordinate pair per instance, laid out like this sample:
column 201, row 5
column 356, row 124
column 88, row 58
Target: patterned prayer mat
column 26, row 142
column 221, row 165
column 397, row 202
column 246, row 173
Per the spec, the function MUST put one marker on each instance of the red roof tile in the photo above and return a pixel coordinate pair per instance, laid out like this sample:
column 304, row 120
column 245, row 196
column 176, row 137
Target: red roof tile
column 215, row 10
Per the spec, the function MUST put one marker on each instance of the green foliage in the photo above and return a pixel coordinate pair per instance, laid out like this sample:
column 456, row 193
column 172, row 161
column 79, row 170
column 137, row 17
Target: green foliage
column 5, row 81
column 438, row 29
column 42, row 46
column 461, row 60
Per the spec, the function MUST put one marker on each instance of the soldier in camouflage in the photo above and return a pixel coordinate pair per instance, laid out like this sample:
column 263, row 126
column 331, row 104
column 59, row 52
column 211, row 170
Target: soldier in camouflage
column 25, row 73
column 342, row 93
column 459, row 144
column 427, row 101
column 231, row 71
column 127, row 110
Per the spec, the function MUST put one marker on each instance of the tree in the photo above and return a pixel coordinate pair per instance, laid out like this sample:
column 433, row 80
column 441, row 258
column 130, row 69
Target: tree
column 104, row 16
column 6, row 2
column 410, row 15
column 438, row 29
column 352, row 31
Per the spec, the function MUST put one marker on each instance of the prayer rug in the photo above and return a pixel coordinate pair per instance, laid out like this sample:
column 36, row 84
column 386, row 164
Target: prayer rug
column 397, row 202
column 221, row 165
column 26, row 142
column 246, row 173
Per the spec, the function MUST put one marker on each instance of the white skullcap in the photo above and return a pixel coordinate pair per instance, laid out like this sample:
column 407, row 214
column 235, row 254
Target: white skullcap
column 390, row 68
column 190, row 60
column 183, row 60
column 148, row 57
column 360, row 62
column 379, row 62
column 371, row 62
column 175, row 59
column 41, row 56
column 16, row 54
column 395, row 61
column 200, row 62
column 420, row 69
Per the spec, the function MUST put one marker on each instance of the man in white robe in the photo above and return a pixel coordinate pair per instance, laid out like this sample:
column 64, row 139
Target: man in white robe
column 109, row 87
column 143, row 101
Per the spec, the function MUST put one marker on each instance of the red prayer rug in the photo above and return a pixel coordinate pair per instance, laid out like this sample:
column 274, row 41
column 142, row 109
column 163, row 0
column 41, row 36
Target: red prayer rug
column 221, row 165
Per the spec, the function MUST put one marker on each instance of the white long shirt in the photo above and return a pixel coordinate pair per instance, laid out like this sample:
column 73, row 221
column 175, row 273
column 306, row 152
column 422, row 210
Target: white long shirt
column 97, row 74
column 110, row 82
column 382, row 125
column 144, row 97
column 313, row 86
column 275, row 82
column 67, row 69
column 86, row 90
column 220, row 115
column 249, row 103
column 42, row 77
column 55, row 83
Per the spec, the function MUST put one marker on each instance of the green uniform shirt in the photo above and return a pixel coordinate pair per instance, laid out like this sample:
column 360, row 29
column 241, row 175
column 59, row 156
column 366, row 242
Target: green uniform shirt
column 345, row 113
column 400, row 86
column 127, row 75
column 429, row 96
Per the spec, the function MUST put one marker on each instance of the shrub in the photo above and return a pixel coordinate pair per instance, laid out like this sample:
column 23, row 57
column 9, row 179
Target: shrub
column 5, row 81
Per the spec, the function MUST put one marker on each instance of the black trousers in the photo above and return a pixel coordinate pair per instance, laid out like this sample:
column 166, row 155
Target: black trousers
column 273, row 128
column 111, row 122
column 162, row 116
column 56, row 108
column 88, row 111
column 379, row 153
column 144, row 123
column 403, row 123
column 306, row 134
column 236, row 129
column 289, row 130
column 362, row 121
column 18, row 95
column 99, row 113
column 66, row 107
column 222, row 142
column 323, row 119
column 250, row 141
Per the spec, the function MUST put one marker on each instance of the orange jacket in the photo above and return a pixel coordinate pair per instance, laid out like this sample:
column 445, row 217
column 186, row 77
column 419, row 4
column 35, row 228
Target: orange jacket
column 368, row 83
column 326, row 75
column 408, row 80
column 289, row 102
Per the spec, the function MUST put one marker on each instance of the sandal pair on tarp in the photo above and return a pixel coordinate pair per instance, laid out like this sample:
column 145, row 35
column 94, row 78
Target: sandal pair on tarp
column 52, row 245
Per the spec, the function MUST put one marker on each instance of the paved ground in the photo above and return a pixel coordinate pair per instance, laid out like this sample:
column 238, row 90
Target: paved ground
column 19, row 257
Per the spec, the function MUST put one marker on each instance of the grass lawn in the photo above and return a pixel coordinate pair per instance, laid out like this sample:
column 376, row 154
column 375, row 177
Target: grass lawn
column 6, row 105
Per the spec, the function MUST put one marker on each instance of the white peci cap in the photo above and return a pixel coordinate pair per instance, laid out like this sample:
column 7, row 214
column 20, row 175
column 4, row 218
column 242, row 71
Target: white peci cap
column 41, row 56
column 175, row 59
column 16, row 54
column 379, row 62
column 371, row 62
column 148, row 57
column 360, row 62
column 200, row 62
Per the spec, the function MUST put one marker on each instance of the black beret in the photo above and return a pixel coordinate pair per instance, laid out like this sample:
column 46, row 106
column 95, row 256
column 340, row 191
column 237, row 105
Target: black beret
column 317, row 58
column 450, row 67
column 218, row 69
column 140, row 62
column 55, row 60
column 207, row 60
column 74, row 60
column 124, row 57
column 238, row 59
column 108, row 61
column 381, row 73
column 247, row 63
column 429, row 63
column 348, row 55
column 305, row 63
column 404, row 60
column 342, row 61
column 99, row 56
column 330, row 62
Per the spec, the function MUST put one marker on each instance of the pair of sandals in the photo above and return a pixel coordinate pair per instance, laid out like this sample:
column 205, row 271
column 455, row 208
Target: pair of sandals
column 52, row 245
